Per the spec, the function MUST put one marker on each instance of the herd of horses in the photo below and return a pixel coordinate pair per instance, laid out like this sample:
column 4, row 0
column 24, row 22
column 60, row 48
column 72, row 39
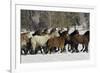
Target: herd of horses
column 54, row 40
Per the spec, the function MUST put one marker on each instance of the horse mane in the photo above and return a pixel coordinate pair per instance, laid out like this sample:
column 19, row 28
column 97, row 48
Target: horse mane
column 38, row 32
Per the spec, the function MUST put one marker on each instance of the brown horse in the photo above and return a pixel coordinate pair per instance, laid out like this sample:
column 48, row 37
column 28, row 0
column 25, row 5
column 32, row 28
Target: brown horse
column 77, row 39
column 57, row 42
column 72, row 41
column 86, row 43
column 24, row 43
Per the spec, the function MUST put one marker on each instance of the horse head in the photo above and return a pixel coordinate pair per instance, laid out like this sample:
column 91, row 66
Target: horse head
column 54, row 33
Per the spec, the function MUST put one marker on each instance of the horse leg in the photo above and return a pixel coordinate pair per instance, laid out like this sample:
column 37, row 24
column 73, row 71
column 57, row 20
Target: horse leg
column 45, row 50
column 87, row 48
column 41, row 51
column 76, row 48
column 32, row 51
column 41, row 48
column 56, row 49
column 61, row 50
column 50, row 50
column 24, row 50
column 82, row 47
column 64, row 49
column 69, row 49
column 72, row 48
column 33, row 48
column 37, row 49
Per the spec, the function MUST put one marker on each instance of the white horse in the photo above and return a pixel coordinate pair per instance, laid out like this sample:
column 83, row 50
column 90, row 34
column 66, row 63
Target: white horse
column 40, row 40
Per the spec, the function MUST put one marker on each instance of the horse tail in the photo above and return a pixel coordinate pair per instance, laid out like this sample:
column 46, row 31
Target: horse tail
column 87, row 34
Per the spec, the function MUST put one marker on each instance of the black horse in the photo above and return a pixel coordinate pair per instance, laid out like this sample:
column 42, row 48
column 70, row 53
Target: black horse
column 72, row 44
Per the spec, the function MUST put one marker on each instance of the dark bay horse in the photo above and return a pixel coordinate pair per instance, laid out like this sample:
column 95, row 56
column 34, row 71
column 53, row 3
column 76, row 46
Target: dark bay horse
column 76, row 39
column 72, row 41
column 86, row 37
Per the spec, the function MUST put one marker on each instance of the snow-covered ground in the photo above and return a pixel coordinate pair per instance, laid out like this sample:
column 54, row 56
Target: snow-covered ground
column 54, row 57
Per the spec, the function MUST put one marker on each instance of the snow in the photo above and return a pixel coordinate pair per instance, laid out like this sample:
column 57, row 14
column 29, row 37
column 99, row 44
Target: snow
column 54, row 57
column 79, row 28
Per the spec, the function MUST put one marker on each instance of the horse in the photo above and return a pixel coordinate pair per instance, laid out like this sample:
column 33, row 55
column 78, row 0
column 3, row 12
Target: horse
column 86, row 36
column 76, row 39
column 71, row 42
column 39, row 41
column 24, row 41
column 57, row 42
